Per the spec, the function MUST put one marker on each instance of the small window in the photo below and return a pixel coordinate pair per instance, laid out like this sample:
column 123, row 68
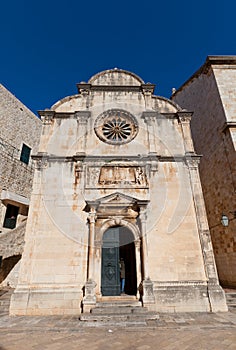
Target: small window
column 11, row 216
column 25, row 154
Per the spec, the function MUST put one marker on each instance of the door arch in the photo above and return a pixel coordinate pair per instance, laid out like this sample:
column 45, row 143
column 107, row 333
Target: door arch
column 118, row 243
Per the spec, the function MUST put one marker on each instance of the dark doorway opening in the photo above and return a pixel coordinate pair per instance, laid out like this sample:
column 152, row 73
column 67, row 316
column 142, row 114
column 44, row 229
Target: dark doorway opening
column 118, row 243
column 11, row 216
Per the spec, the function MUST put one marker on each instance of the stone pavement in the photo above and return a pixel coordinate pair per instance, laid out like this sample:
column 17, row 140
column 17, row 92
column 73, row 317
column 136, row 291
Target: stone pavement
column 195, row 331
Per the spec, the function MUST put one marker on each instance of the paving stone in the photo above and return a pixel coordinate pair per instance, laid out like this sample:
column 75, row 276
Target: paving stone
column 186, row 332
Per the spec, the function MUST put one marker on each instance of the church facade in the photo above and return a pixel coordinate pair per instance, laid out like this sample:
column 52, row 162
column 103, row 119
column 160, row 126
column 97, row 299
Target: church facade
column 116, row 181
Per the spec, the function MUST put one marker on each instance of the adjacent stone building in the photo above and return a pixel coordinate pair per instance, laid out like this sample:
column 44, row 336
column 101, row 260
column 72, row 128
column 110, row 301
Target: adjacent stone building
column 116, row 178
column 211, row 94
column 20, row 131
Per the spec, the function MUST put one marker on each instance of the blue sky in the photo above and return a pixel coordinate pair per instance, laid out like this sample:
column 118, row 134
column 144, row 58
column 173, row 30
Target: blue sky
column 48, row 46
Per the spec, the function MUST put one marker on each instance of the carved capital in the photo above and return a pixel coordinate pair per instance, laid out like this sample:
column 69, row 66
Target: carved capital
column 148, row 89
column 184, row 117
column 82, row 116
column 41, row 164
column 149, row 117
column 192, row 161
column 41, row 161
column 92, row 216
column 84, row 89
column 143, row 215
column 46, row 116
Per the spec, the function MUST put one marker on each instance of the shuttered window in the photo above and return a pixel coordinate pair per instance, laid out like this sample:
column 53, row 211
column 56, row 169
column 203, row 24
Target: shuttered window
column 25, row 154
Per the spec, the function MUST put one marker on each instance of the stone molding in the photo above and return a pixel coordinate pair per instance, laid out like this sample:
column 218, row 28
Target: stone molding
column 48, row 115
column 8, row 195
column 165, row 284
column 228, row 125
column 85, row 89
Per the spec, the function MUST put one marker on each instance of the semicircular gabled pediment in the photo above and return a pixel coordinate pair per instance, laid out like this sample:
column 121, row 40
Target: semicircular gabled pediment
column 116, row 77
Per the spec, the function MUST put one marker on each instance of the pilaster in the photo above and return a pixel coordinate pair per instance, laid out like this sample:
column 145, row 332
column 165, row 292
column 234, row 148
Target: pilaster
column 184, row 120
column 150, row 120
column 147, row 285
column 89, row 299
column 215, row 292
column 82, row 130
column 148, row 90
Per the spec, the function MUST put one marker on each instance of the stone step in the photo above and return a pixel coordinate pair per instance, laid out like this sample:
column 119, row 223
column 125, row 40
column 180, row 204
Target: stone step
column 119, row 303
column 5, row 297
column 231, row 300
column 230, row 295
column 114, row 318
column 112, row 309
column 4, row 302
column 115, row 324
column 118, row 298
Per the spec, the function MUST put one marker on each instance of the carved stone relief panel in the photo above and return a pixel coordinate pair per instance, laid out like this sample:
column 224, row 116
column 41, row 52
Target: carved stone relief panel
column 116, row 176
column 92, row 175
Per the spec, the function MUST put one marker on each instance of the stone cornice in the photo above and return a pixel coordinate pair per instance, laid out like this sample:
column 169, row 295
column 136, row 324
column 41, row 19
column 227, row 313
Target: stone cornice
column 228, row 125
column 48, row 115
column 145, row 88
column 88, row 87
column 51, row 158
column 210, row 61
column 182, row 116
column 131, row 158
column 107, row 159
column 167, row 116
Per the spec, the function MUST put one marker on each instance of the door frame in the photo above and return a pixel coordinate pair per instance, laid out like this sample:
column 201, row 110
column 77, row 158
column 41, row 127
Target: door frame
column 105, row 261
column 137, row 243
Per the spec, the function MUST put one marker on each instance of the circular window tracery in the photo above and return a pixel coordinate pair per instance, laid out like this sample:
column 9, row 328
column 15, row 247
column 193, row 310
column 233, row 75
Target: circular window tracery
column 116, row 126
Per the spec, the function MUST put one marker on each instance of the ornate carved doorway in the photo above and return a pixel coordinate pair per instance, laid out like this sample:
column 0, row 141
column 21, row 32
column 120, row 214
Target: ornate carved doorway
column 118, row 243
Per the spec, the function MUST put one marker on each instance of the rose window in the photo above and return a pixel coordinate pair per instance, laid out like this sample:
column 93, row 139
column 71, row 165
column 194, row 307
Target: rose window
column 116, row 126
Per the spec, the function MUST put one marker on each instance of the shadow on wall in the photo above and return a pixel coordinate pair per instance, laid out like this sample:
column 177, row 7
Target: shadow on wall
column 6, row 266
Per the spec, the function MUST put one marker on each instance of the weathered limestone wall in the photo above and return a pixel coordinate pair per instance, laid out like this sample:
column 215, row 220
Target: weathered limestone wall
column 18, row 125
column 211, row 95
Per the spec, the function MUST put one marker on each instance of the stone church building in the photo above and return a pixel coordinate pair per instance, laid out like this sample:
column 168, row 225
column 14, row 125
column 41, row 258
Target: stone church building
column 210, row 92
column 116, row 180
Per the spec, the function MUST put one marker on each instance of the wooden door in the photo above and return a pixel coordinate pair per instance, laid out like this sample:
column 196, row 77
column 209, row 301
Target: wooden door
column 110, row 262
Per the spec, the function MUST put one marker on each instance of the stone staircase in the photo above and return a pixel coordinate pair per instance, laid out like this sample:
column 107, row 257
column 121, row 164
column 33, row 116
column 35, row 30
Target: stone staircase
column 231, row 300
column 118, row 311
column 5, row 296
